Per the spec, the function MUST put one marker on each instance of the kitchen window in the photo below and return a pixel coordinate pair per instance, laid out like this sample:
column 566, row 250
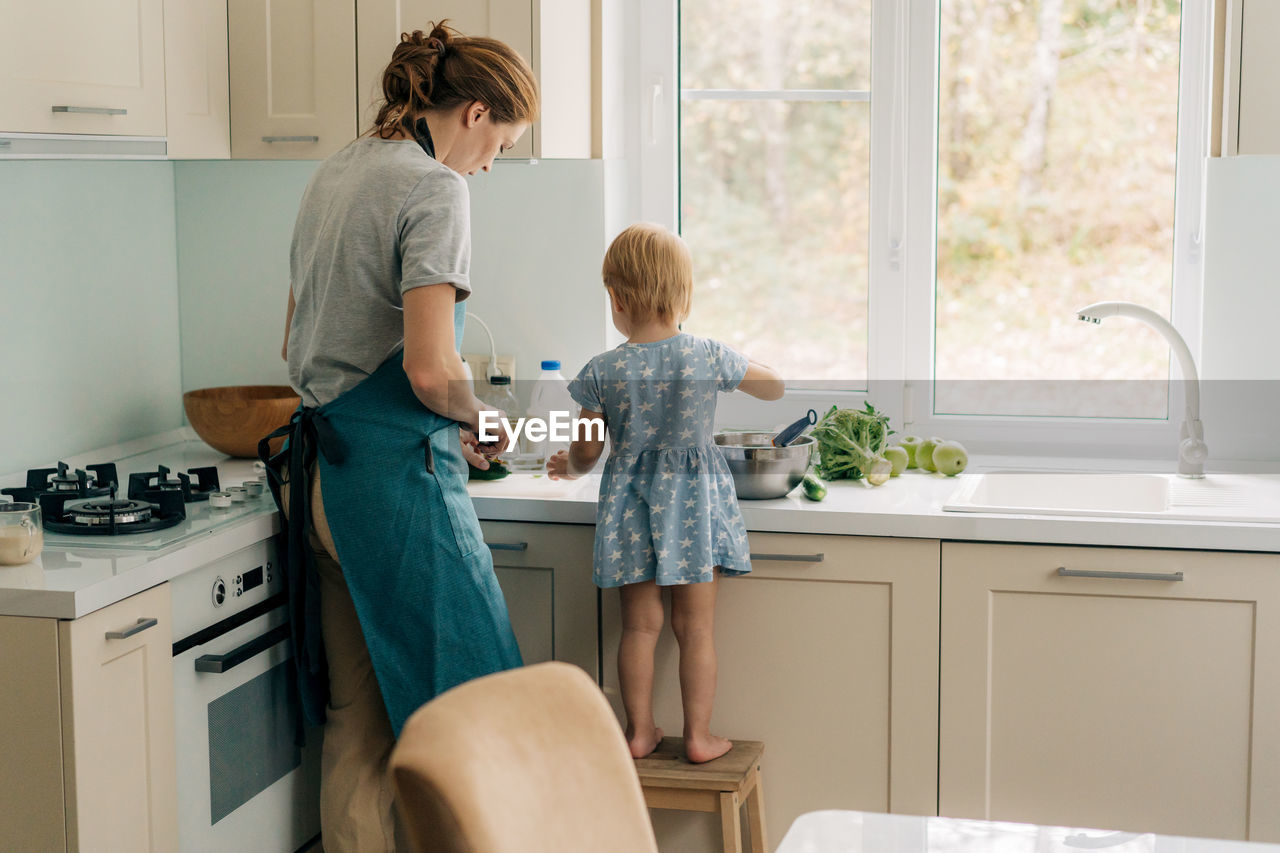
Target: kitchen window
column 924, row 193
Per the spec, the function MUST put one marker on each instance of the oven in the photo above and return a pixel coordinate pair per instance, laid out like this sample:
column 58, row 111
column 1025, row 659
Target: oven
column 243, row 783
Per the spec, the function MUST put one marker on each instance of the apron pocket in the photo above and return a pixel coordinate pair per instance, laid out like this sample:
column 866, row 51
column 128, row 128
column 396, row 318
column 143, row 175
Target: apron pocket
column 444, row 463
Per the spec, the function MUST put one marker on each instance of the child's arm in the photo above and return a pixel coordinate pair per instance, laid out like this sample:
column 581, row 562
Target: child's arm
column 762, row 382
column 583, row 453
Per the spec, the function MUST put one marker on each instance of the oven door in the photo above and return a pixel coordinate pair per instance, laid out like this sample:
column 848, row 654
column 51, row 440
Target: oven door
column 243, row 784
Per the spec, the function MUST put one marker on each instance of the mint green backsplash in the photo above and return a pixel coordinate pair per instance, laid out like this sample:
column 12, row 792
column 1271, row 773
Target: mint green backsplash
column 234, row 224
column 88, row 307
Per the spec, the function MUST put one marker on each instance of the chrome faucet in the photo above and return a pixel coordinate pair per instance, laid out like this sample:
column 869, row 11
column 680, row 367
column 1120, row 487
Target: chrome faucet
column 1192, row 451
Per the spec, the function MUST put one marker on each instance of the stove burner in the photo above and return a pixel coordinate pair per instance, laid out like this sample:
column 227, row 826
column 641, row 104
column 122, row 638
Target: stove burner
column 63, row 513
column 206, row 481
column 97, row 481
column 100, row 512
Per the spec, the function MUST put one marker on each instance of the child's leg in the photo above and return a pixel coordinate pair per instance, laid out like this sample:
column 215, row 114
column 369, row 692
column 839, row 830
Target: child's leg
column 693, row 616
column 641, row 625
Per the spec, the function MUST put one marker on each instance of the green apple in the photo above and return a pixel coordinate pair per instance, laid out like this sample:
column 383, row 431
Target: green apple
column 909, row 443
column 900, row 457
column 950, row 458
column 924, row 454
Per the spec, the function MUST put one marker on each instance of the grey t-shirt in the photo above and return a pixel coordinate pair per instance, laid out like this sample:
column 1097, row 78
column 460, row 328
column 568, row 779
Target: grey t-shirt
column 378, row 218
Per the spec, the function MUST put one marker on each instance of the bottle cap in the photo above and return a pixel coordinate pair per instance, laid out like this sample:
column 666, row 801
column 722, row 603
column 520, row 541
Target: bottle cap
column 550, row 364
column 500, row 380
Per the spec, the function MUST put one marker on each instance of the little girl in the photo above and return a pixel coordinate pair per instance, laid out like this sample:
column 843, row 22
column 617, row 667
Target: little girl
column 667, row 515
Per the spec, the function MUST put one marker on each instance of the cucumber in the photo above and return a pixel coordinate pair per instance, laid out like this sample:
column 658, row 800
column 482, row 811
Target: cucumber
column 496, row 471
column 814, row 488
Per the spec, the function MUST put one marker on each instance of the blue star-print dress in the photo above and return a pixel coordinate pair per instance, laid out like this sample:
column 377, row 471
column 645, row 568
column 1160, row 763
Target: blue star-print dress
column 667, row 508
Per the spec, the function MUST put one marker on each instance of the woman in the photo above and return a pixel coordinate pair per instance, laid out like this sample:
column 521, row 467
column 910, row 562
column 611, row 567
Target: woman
column 393, row 594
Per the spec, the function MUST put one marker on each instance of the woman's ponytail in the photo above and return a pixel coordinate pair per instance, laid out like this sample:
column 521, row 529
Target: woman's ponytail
column 440, row 70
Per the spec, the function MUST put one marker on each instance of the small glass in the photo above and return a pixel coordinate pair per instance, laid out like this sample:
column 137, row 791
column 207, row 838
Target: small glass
column 21, row 535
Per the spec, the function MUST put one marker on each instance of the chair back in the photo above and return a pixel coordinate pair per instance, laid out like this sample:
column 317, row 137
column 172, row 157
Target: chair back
column 531, row 760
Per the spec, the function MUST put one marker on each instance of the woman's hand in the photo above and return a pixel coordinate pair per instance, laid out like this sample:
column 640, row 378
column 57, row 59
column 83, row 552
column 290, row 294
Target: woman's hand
column 558, row 466
column 479, row 453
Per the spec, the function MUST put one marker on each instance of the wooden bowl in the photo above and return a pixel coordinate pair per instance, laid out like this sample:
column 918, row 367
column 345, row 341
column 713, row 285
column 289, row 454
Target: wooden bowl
column 234, row 418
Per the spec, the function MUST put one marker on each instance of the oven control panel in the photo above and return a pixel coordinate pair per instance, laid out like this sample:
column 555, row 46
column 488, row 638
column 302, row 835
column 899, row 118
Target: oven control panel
column 223, row 588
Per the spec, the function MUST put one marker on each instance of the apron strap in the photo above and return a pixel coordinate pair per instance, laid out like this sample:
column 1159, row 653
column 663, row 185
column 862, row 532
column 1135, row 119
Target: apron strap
column 306, row 431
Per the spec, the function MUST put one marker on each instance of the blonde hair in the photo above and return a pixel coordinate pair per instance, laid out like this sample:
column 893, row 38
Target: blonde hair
column 444, row 68
column 650, row 272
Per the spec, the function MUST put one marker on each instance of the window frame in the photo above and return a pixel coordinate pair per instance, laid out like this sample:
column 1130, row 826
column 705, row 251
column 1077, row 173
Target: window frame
column 902, row 241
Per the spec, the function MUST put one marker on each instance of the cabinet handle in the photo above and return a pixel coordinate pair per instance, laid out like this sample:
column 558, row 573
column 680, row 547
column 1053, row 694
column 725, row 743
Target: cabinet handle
column 1064, row 572
column 143, row 624
column 791, row 558
column 93, row 111
column 235, row 657
column 508, row 546
column 290, row 139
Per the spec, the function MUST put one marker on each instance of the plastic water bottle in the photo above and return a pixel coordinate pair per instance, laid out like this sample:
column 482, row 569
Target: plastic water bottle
column 550, row 394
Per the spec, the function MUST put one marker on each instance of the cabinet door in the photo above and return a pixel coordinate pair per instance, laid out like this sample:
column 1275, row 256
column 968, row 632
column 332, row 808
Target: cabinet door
column 1259, row 107
column 1146, row 704
column 195, row 61
column 545, row 574
column 382, row 21
column 118, row 726
column 292, row 77
column 82, row 67
column 827, row 652
column 32, row 816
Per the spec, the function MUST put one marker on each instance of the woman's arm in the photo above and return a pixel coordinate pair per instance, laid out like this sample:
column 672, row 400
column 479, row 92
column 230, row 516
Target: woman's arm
column 583, row 453
column 762, row 382
column 431, row 359
column 288, row 322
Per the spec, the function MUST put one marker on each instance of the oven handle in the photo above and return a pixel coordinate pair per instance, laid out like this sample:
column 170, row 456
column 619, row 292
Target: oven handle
column 235, row 657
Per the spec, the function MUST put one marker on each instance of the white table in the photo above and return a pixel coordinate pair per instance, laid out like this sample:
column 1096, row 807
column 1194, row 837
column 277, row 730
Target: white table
column 867, row 832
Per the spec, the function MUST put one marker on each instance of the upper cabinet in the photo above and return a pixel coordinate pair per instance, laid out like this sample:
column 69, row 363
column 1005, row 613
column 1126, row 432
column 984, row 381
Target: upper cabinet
column 195, row 63
column 1253, row 66
column 293, row 77
column 554, row 35
column 83, row 67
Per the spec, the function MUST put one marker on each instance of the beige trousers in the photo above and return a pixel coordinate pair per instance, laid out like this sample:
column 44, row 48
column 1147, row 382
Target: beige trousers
column 356, row 796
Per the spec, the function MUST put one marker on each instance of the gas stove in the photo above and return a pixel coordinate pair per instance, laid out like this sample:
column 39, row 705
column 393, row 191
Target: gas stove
column 162, row 505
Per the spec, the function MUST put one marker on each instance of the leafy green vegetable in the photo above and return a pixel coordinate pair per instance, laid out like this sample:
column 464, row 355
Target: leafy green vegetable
column 850, row 442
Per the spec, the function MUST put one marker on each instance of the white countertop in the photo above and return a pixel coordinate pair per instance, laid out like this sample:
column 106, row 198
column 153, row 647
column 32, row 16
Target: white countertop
column 67, row 582
column 907, row 506
column 856, row 832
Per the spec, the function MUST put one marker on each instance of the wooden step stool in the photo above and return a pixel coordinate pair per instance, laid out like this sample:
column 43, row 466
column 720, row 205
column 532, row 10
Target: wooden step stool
column 669, row 781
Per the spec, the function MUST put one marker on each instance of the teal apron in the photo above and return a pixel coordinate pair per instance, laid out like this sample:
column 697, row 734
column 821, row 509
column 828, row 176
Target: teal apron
column 394, row 488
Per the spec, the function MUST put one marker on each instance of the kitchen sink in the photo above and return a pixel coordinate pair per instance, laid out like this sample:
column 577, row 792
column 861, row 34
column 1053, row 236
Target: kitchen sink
column 1217, row 497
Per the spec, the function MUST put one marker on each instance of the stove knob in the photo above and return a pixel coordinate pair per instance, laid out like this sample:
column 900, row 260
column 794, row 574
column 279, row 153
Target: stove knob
column 219, row 592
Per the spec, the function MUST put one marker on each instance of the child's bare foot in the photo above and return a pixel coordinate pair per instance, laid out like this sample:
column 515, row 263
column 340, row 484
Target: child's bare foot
column 643, row 743
column 705, row 748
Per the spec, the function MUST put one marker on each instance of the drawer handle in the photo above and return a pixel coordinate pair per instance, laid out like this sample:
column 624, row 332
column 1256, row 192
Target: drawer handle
column 143, row 624
column 508, row 546
column 791, row 558
column 235, row 657
column 1064, row 572
column 290, row 139
column 93, row 111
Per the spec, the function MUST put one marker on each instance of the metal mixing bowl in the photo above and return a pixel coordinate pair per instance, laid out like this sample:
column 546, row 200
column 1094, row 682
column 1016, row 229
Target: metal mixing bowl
column 760, row 470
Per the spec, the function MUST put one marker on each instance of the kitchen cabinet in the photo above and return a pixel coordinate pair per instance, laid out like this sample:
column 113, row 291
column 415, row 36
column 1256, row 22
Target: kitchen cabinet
column 292, row 77
column 827, row 652
column 545, row 574
column 1253, row 113
column 196, row 93
column 88, row 740
column 1122, row 698
column 556, row 37
column 83, row 67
